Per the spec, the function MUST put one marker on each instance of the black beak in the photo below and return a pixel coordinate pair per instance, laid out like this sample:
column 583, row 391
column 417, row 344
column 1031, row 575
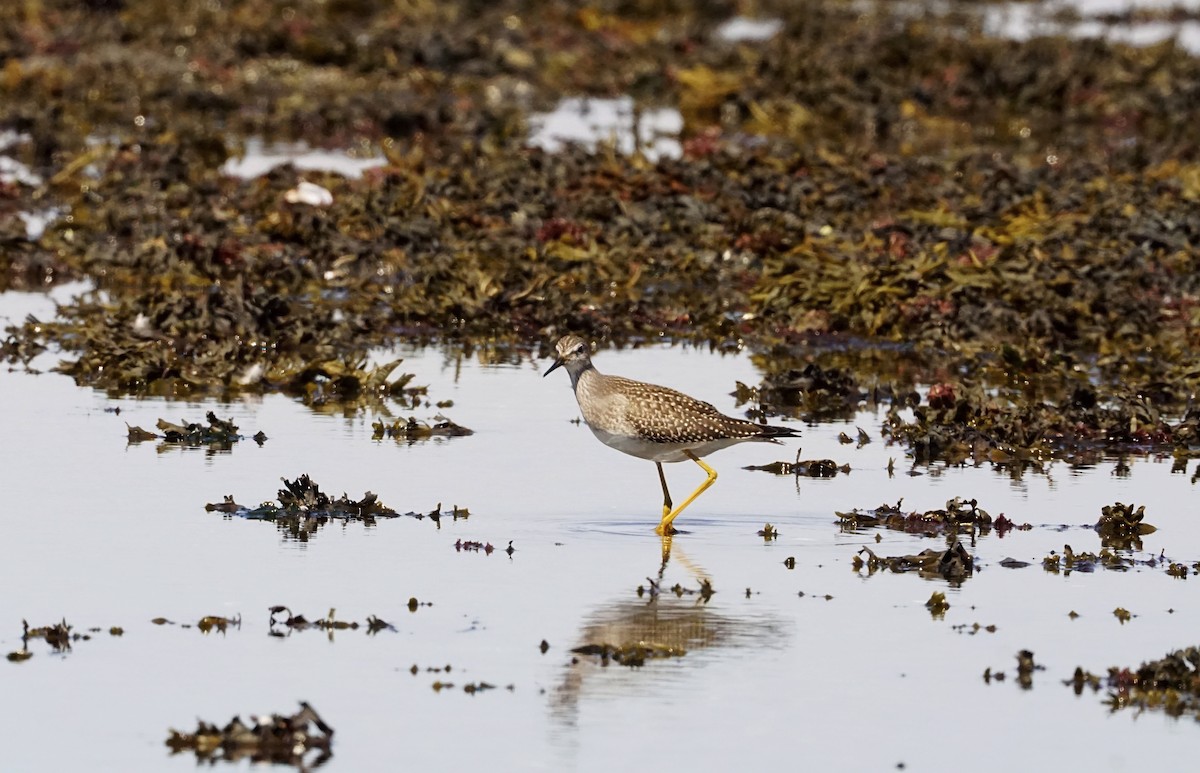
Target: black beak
column 557, row 363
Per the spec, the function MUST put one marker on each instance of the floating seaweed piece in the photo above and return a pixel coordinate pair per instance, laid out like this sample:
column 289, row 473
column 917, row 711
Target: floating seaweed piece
column 937, row 605
column 768, row 532
column 217, row 623
column 1004, row 525
column 954, row 563
column 277, row 739
column 281, row 617
column 477, row 687
column 811, row 468
column 1070, row 561
column 219, row 433
column 472, row 546
column 304, row 509
column 139, row 435
column 862, row 439
column 58, row 636
column 1170, row 684
column 414, row 605
column 436, row 514
column 959, row 515
column 413, row 430
column 1025, row 668
column 1121, row 527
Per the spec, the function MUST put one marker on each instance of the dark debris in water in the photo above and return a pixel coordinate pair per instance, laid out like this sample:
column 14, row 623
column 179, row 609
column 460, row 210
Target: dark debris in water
column 302, row 740
column 1170, row 684
column 303, row 509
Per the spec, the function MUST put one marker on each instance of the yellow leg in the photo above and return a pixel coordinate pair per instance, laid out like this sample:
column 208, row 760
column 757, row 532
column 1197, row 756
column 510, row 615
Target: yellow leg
column 665, row 527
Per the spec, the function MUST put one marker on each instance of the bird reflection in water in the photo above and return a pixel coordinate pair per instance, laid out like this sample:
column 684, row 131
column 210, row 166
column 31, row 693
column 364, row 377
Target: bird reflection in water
column 680, row 623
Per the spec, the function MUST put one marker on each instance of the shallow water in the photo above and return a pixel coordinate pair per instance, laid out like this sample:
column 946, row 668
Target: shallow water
column 854, row 673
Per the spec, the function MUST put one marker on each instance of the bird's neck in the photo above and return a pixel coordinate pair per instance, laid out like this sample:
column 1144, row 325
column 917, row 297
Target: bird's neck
column 587, row 370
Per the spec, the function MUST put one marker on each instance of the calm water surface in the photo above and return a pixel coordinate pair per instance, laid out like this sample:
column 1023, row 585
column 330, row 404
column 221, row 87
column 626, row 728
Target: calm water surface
column 103, row 533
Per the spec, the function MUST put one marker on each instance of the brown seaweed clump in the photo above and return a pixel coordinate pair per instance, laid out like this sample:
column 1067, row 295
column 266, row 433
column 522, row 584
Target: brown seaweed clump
column 803, row 468
column 302, row 740
column 954, row 564
column 1170, row 684
column 958, row 516
column 1002, row 224
column 1121, row 527
column 413, row 430
column 219, row 434
column 303, row 509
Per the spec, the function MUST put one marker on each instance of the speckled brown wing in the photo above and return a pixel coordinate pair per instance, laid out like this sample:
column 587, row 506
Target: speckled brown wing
column 663, row 415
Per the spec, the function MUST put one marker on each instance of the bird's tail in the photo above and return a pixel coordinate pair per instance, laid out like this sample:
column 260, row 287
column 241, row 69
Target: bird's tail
column 773, row 432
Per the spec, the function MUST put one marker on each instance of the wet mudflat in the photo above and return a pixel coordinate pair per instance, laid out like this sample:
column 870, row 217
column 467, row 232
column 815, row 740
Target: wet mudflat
column 778, row 665
column 284, row 482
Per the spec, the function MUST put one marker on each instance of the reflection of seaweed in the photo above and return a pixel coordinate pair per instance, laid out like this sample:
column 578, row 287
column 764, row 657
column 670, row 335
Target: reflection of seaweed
column 812, row 393
column 278, row 739
column 304, row 509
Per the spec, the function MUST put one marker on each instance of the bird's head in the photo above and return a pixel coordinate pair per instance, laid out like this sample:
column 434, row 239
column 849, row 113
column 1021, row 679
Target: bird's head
column 572, row 352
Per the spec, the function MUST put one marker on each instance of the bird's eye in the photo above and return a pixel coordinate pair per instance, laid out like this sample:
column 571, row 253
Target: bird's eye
column 581, row 349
